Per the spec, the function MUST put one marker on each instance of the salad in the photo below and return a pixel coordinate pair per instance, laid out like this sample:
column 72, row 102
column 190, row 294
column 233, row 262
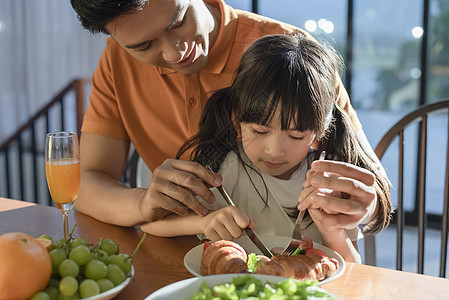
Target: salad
column 254, row 261
column 251, row 288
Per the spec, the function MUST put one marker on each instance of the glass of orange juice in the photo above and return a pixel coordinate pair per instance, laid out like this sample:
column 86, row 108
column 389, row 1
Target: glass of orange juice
column 62, row 166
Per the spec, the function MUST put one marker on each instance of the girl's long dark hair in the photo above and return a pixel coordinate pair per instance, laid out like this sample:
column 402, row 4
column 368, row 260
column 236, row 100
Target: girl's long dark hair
column 299, row 77
column 216, row 135
column 342, row 144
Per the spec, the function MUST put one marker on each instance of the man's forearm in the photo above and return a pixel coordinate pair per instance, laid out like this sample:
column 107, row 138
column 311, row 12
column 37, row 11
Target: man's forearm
column 109, row 200
column 340, row 242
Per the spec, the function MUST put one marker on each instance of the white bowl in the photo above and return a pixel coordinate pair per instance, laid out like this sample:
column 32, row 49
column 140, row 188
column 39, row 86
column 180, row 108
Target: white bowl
column 185, row 289
column 109, row 294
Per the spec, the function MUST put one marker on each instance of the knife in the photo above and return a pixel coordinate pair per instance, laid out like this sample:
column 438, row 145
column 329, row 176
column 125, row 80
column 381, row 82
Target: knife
column 249, row 232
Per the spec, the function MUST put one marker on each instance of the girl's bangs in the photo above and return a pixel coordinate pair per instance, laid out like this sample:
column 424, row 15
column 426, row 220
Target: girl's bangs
column 282, row 90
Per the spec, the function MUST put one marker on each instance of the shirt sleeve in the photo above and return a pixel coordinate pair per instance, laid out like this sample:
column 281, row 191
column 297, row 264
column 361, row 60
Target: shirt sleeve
column 103, row 115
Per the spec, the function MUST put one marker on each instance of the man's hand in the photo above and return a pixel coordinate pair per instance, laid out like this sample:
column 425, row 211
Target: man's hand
column 173, row 189
column 338, row 195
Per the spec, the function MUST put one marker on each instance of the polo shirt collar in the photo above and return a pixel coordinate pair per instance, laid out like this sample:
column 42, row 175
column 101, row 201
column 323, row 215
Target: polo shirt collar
column 219, row 53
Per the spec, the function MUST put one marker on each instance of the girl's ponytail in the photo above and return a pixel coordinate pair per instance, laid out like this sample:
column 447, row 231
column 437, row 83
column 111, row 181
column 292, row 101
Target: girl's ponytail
column 216, row 136
column 340, row 138
column 341, row 144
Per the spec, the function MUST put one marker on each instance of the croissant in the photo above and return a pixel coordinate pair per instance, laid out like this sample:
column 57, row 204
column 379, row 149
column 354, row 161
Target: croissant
column 301, row 267
column 223, row 257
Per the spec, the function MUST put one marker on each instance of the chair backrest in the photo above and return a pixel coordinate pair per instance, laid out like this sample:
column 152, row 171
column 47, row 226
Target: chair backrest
column 140, row 174
column 397, row 133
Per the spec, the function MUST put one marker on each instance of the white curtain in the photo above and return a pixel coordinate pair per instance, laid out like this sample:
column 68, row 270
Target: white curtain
column 42, row 48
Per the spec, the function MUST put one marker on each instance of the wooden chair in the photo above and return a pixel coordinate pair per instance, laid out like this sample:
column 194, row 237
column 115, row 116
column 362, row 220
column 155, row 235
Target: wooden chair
column 396, row 133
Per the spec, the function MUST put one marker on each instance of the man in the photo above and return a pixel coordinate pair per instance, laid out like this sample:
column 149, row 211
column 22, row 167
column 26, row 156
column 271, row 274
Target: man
column 162, row 61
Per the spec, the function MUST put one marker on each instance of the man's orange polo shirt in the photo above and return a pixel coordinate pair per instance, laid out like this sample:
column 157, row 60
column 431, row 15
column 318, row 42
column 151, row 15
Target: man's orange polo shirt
column 158, row 109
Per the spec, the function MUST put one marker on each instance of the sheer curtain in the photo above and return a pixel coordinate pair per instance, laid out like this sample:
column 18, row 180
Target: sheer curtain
column 42, row 48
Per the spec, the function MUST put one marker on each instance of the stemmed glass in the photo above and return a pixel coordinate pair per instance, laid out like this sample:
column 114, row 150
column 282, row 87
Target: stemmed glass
column 62, row 166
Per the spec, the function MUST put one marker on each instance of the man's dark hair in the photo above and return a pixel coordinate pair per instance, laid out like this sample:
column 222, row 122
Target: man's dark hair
column 94, row 15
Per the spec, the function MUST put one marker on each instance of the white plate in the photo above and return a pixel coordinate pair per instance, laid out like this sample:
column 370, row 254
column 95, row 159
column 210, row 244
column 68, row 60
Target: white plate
column 192, row 260
column 115, row 290
column 185, row 289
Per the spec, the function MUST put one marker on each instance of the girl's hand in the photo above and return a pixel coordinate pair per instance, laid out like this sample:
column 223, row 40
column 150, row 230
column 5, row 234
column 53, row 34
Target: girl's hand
column 226, row 223
column 338, row 195
column 173, row 188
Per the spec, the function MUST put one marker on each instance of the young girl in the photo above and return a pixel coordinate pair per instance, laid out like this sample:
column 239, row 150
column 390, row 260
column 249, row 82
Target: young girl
column 262, row 135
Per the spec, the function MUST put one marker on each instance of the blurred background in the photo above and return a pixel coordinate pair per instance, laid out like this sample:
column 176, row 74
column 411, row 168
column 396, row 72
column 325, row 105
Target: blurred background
column 395, row 54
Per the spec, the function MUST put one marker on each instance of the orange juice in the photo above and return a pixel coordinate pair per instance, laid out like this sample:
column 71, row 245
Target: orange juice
column 63, row 178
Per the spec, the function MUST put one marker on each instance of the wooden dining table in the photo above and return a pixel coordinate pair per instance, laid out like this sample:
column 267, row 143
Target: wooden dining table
column 159, row 261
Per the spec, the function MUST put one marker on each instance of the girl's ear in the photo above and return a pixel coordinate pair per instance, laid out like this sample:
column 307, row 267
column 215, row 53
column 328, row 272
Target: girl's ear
column 315, row 144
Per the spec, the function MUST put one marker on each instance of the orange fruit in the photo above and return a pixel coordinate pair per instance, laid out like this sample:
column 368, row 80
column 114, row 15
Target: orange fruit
column 48, row 244
column 25, row 266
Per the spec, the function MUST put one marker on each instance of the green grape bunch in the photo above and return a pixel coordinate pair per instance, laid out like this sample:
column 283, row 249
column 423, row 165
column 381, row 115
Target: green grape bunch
column 81, row 270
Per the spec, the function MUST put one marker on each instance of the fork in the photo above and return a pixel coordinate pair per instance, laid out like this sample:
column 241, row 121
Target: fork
column 295, row 241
